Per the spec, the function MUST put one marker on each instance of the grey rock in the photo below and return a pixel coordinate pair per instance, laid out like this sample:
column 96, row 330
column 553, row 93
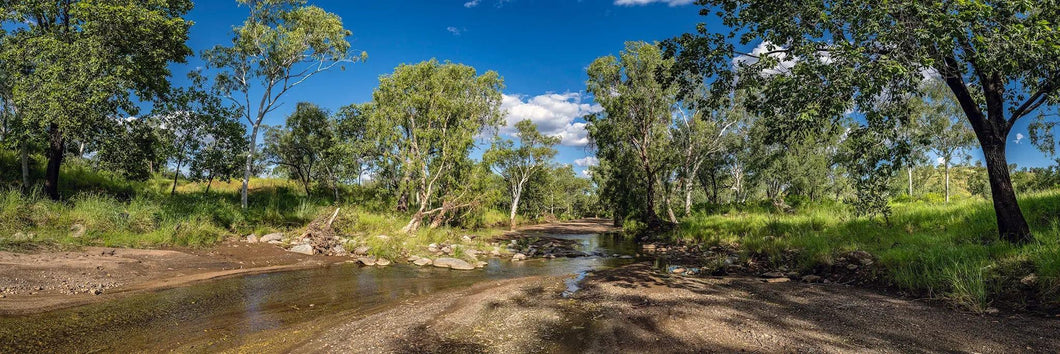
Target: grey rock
column 360, row 251
column 305, row 249
column 519, row 257
column 453, row 263
column 252, row 238
column 447, row 250
column 368, row 261
column 852, row 266
column 382, row 262
column 275, row 236
column 423, row 262
column 340, row 251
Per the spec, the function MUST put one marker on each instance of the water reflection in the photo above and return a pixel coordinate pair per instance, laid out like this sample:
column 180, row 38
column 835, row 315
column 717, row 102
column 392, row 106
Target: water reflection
column 222, row 314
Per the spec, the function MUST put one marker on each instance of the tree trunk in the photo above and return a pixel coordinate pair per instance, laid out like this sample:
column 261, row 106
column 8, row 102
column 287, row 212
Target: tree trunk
column 669, row 208
column 250, row 164
column 947, row 181
column 209, row 183
column 688, row 196
column 55, row 160
column 176, row 174
column 1011, row 224
column 515, row 206
column 25, row 166
column 910, row 170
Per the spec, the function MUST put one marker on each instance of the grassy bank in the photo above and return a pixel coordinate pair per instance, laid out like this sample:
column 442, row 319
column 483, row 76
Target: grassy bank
column 100, row 209
column 949, row 251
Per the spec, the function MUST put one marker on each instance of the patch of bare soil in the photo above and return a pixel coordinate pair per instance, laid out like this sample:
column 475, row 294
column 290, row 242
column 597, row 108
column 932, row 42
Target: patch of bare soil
column 574, row 227
column 635, row 309
column 44, row 281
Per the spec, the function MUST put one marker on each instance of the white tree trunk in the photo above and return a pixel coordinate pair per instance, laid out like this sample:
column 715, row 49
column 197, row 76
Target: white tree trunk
column 515, row 207
column 947, row 181
column 910, row 170
column 250, row 163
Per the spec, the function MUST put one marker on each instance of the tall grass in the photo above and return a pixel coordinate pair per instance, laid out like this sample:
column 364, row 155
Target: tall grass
column 948, row 251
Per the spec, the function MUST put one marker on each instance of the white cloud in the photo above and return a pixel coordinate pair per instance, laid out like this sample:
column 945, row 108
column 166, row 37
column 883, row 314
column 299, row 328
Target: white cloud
column 472, row 3
column 1019, row 138
column 554, row 114
column 587, row 161
column 648, row 2
column 587, row 173
column 940, row 161
column 762, row 49
column 455, row 31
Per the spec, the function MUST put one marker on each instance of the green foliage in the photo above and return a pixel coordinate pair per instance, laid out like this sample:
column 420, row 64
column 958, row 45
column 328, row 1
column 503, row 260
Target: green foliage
column 281, row 44
column 300, row 147
column 633, row 133
column 427, row 116
column 518, row 165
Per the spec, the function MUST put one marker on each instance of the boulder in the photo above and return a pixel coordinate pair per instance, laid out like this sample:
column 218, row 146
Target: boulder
column 678, row 270
column 368, row 261
column 252, row 238
column 382, row 262
column 496, row 252
column 360, row 251
column 275, row 236
column 423, row 262
column 338, row 250
column 519, row 257
column 778, row 280
column 453, row 263
column 305, row 249
column 447, row 250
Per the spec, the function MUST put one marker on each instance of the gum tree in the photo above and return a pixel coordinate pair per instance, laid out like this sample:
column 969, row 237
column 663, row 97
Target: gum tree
column 280, row 45
column 518, row 164
column 638, row 101
column 429, row 114
column 1000, row 59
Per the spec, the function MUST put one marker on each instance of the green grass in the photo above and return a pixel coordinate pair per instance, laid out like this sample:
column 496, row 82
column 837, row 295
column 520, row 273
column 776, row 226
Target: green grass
column 949, row 251
column 115, row 212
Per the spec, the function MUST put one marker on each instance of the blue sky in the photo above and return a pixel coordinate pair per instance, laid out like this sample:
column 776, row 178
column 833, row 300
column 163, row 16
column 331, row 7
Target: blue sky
column 540, row 47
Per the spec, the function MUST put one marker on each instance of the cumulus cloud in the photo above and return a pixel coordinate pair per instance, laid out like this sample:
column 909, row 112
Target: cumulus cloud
column 1019, row 138
column 587, row 161
column 554, row 114
column 586, row 173
column 472, row 3
column 761, row 50
column 455, row 31
column 648, row 2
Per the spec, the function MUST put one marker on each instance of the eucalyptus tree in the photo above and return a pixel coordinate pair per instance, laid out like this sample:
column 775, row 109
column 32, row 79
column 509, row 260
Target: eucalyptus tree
column 301, row 145
column 1000, row 59
column 638, row 101
column 280, row 45
column 76, row 64
column 190, row 119
column 430, row 114
column 949, row 135
column 518, row 164
column 355, row 143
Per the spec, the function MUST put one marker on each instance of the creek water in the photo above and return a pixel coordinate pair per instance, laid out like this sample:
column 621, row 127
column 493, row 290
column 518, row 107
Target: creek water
column 227, row 313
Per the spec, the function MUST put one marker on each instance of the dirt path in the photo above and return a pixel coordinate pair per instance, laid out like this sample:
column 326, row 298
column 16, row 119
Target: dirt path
column 31, row 283
column 633, row 309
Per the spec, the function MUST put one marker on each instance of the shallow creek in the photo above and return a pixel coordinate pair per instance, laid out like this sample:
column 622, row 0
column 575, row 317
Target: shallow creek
column 231, row 312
